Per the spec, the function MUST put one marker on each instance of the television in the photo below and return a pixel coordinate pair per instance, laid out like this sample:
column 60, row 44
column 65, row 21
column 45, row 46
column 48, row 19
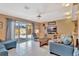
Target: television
column 52, row 28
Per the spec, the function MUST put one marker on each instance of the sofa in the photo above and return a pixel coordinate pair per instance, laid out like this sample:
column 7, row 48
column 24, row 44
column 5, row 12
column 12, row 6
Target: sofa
column 9, row 44
column 3, row 50
column 61, row 49
column 5, row 46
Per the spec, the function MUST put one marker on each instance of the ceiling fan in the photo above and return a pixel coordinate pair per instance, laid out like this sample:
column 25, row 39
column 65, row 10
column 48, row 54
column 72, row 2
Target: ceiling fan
column 26, row 7
column 39, row 16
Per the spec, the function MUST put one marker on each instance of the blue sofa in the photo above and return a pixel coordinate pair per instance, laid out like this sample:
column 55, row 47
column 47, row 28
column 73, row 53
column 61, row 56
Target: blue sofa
column 5, row 46
column 3, row 50
column 9, row 44
column 61, row 49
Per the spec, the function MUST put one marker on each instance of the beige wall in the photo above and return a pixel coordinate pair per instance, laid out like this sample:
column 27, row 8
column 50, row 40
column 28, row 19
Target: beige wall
column 3, row 29
column 78, row 25
column 63, row 27
column 78, row 20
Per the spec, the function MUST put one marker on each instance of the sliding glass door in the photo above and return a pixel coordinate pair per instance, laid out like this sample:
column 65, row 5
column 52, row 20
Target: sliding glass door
column 20, row 30
column 23, row 30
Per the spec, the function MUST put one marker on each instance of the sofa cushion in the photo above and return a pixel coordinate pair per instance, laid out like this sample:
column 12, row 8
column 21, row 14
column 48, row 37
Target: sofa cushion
column 1, row 46
column 62, row 37
column 67, row 40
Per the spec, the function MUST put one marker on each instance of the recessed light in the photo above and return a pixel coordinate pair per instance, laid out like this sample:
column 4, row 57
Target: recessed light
column 66, row 4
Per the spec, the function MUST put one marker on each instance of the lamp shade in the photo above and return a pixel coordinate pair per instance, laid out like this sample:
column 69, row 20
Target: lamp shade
column 37, row 31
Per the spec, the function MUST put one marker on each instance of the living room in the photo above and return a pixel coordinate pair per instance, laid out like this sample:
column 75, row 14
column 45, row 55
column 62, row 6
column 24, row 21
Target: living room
column 45, row 31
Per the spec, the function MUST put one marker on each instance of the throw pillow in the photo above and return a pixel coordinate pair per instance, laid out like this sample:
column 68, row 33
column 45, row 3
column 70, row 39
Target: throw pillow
column 66, row 40
column 1, row 46
column 62, row 37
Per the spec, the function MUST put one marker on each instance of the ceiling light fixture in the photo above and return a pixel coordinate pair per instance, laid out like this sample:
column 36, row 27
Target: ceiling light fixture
column 66, row 4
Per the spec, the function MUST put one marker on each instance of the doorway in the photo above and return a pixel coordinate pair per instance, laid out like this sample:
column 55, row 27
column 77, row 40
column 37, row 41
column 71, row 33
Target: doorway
column 18, row 30
column 23, row 31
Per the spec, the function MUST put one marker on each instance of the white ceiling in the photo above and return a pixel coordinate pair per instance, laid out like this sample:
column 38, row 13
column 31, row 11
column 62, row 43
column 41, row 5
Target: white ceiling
column 49, row 11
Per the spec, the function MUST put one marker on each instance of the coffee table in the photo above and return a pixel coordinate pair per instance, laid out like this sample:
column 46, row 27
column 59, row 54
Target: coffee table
column 44, row 41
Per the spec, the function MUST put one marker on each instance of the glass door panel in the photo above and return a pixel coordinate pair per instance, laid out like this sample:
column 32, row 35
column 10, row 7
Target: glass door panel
column 29, row 31
column 23, row 30
column 17, row 30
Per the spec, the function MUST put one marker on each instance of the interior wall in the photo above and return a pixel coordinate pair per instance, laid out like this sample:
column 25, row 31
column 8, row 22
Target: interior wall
column 63, row 27
column 3, row 27
column 78, row 25
column 78, row 28
column 37, row 27
column 78, row 21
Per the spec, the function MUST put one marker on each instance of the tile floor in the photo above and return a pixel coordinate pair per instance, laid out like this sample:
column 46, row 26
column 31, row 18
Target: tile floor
column 29, row 48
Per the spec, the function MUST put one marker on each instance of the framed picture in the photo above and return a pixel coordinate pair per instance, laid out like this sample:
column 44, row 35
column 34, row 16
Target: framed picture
column 52, row 28
column 52, row 23
column 1, row 25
